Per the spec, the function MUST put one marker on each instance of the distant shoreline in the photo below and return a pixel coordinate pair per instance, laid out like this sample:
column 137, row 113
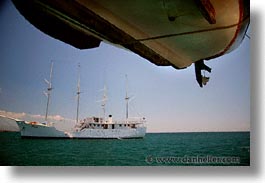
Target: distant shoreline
column 165, row 132
column 204, row 132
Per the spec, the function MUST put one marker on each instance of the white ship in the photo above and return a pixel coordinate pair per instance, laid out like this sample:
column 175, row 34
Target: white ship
column 88, row 128
column 93, row 128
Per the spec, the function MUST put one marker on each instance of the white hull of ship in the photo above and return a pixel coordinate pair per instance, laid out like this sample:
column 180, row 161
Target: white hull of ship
column 44, row 131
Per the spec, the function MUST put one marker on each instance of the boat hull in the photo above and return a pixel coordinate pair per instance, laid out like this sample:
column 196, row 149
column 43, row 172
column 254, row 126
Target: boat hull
column 43, row 131
column 111, row 133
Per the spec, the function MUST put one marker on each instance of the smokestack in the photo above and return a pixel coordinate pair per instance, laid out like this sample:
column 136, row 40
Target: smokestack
column 110, row 118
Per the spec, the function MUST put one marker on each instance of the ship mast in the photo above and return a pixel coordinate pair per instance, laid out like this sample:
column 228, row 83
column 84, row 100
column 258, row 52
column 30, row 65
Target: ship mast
column 48, row 93
column 78, row 94
column 127, row 98
column 103, row 104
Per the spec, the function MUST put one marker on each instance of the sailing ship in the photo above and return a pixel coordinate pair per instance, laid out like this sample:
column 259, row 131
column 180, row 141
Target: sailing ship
column 88, row 128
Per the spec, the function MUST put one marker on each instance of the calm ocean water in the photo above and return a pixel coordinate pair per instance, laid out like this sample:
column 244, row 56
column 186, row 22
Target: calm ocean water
column 156, row 149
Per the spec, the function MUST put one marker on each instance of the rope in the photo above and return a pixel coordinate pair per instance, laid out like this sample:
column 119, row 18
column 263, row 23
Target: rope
column 194, row 32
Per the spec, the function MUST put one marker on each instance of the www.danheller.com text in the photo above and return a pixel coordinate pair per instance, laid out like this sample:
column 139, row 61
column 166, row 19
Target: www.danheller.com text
column 193, row 159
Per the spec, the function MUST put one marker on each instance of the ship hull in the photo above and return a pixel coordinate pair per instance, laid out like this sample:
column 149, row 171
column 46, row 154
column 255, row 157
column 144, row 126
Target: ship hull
column 39, row 131
column 43, row 131
column 111, row 133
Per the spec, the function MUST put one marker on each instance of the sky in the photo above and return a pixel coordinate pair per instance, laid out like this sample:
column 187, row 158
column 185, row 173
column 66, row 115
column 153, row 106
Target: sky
column 170, row 99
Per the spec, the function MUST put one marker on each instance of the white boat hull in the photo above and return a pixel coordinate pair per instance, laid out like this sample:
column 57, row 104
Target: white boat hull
column 111, row 133
column 43, row 131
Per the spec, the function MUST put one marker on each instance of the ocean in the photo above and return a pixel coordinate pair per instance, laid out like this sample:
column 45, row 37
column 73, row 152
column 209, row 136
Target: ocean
column 156, row 149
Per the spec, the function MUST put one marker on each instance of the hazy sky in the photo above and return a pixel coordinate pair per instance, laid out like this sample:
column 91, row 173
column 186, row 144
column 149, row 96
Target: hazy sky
column 170, row 99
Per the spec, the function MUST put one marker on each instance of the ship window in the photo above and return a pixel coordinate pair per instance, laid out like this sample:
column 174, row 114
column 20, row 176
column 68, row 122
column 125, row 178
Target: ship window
column 120, row 125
